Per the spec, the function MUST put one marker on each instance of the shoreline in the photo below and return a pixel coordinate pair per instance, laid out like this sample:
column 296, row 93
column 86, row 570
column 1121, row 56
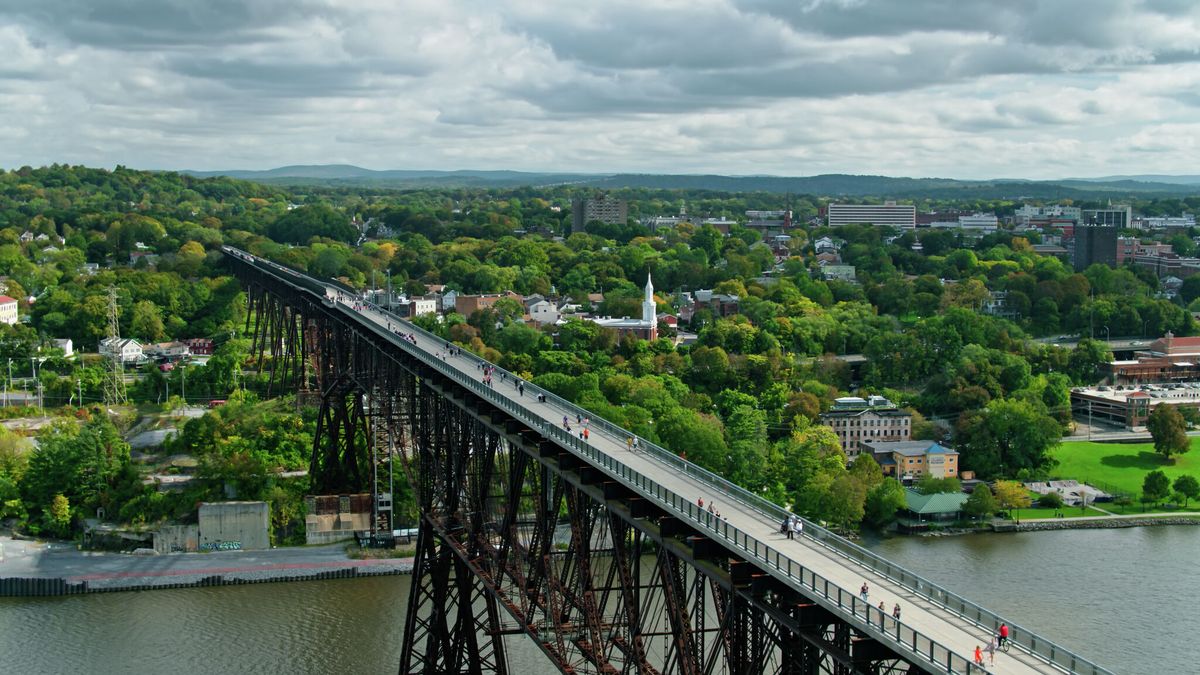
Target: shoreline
column 38, row 569
column 1077, row 523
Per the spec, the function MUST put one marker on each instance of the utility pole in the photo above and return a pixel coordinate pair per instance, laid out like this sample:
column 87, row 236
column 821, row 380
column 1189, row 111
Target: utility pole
column 114, row 384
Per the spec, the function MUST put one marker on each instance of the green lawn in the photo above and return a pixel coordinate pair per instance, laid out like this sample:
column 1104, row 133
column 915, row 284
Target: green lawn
column 1068, row 511
column 1121, row 466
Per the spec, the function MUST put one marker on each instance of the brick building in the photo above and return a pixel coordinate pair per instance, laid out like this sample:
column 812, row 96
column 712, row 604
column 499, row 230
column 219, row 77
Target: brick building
column 856, row 421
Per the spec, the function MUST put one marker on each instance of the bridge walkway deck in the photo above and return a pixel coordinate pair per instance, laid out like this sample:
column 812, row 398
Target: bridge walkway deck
column 932, row 620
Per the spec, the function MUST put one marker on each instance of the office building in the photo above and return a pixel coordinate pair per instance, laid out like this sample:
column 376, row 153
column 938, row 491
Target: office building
column 1027, row 213
column 1114, row 216
column 889, row 213
column 1095, row 244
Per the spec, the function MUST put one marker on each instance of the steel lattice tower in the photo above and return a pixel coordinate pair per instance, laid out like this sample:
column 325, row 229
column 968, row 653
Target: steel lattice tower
column 114, row 383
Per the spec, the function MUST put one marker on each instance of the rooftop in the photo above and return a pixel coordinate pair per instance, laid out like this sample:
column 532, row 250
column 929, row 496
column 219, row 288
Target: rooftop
column 943, row 502
column 1185, row 392
column 910, row 448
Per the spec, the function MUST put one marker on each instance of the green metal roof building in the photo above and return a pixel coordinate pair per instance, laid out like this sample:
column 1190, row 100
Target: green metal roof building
column 941, row 506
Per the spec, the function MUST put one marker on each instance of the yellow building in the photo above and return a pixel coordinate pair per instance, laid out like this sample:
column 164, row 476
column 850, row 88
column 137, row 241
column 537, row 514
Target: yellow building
column 913, row 459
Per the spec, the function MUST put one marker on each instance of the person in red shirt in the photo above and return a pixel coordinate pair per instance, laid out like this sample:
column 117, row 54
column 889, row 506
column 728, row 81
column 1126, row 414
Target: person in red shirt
column 1003, row 634
column 978, row 656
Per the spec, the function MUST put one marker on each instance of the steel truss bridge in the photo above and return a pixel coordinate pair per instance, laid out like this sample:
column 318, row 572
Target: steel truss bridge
column 593, row 548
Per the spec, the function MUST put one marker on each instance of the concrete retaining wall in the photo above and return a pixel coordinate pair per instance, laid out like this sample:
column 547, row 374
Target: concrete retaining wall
column 234, row 526
column 176, row 538
column 24, row 587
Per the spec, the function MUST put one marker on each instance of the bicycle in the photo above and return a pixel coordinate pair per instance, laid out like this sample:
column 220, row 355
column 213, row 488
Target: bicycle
column 1004, row 645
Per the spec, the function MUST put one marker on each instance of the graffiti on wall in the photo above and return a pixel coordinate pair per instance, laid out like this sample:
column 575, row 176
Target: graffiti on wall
column 221, row 546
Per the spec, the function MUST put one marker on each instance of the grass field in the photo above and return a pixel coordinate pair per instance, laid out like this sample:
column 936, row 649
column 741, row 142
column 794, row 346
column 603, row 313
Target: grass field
column 1121, row 466
column 1068, row 511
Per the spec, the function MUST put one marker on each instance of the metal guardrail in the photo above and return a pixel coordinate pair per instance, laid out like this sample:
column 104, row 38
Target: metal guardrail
column 867, row 618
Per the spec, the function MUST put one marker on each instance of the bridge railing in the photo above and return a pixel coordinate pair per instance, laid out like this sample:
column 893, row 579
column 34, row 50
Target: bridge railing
column 840, row 598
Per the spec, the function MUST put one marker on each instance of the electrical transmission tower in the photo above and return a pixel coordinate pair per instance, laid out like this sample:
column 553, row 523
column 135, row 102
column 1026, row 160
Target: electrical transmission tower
column 114, row 384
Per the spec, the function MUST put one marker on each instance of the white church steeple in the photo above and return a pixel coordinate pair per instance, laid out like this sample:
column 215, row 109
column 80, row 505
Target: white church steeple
column 649, row 308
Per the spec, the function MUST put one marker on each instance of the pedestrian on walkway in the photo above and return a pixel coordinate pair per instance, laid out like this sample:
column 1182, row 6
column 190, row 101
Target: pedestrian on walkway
column 521, row 390
column 978, row 656
column 585, row 433
column 896, row 612
column 785, row 527
column 700, row 502
column 991, row 650
column 864, row 592
column 629, row 444
column 797, row 527
column 710, row 507
column 882, row 613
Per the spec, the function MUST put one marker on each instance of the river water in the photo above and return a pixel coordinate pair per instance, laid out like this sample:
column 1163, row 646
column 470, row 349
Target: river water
column 1125, row 598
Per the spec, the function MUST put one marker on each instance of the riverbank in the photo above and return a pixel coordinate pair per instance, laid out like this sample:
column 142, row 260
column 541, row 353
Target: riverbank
column 1104, row 522
column 34, row 568
column 1073, row 523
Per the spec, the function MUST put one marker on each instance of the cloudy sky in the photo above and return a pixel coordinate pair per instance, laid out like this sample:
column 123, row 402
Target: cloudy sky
column 955, row 88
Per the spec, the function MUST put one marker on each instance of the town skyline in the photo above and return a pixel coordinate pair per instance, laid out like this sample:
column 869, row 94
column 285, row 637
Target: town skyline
column 973, row 91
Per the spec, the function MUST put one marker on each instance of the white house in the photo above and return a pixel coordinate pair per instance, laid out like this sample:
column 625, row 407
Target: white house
column 65, row 345
column 544, row 312
column 129, row 350
column 171, row 351
column 8, row 310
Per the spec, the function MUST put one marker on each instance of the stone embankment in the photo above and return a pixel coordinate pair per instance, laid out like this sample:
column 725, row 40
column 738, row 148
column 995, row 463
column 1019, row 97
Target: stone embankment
column 1100, row 523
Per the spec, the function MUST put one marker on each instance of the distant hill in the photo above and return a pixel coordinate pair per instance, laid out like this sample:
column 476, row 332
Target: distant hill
column 832, row 185
column 1144, row 178
column 347, row 174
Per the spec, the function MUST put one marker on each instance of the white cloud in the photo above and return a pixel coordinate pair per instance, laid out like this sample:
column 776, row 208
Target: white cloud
column 920, row 87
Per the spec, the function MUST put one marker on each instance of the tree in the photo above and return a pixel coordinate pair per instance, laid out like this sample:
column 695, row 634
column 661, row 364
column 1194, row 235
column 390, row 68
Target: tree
column 1087, row 358
column 928, row 485
column 58, row 516
column 883, row 501
column 1009, row 433
column 981, row 503
column 1050, row 500
column 146, row 322
column 1169, row 431
column 1155, row 487
column 843, row 501
column 867, row 470
column 1011, row 495
column 1188, row 486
